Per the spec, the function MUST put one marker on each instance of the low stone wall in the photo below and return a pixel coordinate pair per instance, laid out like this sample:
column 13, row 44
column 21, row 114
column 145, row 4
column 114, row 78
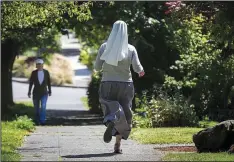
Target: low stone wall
column 215, row 139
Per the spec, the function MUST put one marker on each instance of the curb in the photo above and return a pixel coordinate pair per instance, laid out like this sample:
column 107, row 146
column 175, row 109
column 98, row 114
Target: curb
column 157, row 146
column 62, row 86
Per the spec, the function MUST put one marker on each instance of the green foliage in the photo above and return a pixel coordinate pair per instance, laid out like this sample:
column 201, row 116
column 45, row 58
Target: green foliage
column 15, row 126
column 23, row 122
column 93, row 93
column 30, row 53
column 84, row 100
column 92, row 35
column 190, row 50
column 223, row 34
column 145, row 32
column 37, row 23
column 163, row 109
column 207, row 123
column 37, row 15
column 195, row 52
column 88, row 56
column 48, row 41
column 201, row 64
column 12, row 138
column 141, row 121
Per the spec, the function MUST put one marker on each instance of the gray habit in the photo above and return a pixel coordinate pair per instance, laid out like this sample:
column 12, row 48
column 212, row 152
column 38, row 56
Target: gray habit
column 116, row 102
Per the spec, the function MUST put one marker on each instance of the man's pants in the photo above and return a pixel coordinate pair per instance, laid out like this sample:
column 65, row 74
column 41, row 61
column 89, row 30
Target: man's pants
column 40, row 111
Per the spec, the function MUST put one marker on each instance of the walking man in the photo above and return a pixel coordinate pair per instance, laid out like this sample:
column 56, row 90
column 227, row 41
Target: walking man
column 40, row 78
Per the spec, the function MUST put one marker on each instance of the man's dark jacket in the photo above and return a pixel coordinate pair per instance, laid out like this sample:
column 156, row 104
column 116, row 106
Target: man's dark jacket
column 39, row 89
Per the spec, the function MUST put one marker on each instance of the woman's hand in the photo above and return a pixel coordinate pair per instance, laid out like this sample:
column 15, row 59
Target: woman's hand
column 141, row 74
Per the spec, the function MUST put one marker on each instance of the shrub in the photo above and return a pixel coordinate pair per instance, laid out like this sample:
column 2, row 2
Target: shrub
column 164, row 110
column 206, row 122
column 141, row 121
column 60, row 70
column 22, row 68
column 92, row 92
column 14, row 130
column 87, row 57
column 23, row 122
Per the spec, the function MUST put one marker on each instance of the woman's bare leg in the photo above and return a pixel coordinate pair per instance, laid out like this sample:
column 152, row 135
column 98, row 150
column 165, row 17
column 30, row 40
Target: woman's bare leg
column 117, row 144
column 118, row 139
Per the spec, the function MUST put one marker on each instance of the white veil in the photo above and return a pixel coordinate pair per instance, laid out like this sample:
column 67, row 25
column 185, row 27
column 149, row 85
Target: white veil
column 117, row 44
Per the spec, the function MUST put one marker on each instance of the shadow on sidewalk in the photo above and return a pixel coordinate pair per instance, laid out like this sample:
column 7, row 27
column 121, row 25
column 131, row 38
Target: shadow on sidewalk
column 55, row 117
column 82, row 72
column 70, row 51
column 74, row 42
column 89, row 155
column 72, row 118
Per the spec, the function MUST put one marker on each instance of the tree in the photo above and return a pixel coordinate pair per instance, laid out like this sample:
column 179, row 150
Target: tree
column 204, row 71
column 146, row 33
column 22, row 24
column 183, row 45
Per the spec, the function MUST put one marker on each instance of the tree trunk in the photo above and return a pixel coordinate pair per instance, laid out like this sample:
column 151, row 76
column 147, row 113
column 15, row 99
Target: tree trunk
column 227, row 90
column 9, row 51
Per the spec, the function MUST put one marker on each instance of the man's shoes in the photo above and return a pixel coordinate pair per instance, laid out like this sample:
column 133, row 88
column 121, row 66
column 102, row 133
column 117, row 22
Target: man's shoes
column 118, row 151
column 42, row 124
column 36, row 122
column 108, row 133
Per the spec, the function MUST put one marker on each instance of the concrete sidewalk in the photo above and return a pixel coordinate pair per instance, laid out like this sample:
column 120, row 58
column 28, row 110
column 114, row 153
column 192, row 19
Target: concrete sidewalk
column 81, row 143
column 71, row 50
column 73, row 134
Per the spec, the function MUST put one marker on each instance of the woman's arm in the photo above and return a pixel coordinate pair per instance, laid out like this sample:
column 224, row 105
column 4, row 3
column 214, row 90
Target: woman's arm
column 49, row 83
column 30, row 84
column 136, row 65
column 98, row 63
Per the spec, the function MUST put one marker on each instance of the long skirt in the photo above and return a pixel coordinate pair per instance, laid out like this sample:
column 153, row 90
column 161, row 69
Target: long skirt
column 116, row 102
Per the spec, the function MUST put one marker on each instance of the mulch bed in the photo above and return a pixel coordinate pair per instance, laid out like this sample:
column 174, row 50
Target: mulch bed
column 178, row 149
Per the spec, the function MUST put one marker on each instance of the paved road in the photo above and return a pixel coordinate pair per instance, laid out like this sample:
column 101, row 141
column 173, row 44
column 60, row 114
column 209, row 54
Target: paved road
column 62, row 98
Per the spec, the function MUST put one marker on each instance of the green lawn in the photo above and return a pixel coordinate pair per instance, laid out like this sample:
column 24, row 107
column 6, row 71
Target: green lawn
column 176, row 135
column 13, row 131
column 198, row 157
column 164, row 135
column 180, row 135
column 207, row 123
